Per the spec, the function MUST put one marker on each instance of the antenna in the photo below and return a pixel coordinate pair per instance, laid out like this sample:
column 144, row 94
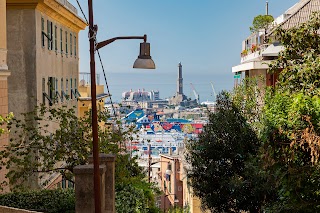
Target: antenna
column 267, row 8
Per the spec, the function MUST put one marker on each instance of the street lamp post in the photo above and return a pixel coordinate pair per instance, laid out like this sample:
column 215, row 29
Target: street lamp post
column 144, row 61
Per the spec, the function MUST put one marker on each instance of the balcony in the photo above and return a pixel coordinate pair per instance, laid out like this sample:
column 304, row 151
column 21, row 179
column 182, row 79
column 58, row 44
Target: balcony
column 85, row 79
column 253, row 54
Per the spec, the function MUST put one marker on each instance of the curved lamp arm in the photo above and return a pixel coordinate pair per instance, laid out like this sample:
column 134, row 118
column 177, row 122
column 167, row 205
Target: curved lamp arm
column 106, row 42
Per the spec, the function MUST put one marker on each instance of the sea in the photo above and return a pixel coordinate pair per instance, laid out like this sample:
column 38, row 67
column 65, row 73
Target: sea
column 166, row 83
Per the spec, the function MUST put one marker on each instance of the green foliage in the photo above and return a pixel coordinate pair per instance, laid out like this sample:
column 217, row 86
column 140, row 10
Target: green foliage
column 261, row 22
column 50, row 140
column 54, row 140
column 130, row 200
column 176, row 210
column 218, row 160
column 4, row 121
column 291, row 135
column 248, row 99
column 263, row 154
column 51, row 201
column 300, row 61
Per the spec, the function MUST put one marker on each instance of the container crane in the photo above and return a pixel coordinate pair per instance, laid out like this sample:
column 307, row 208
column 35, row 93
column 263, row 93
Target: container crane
column 195, row 93
column 214, row 91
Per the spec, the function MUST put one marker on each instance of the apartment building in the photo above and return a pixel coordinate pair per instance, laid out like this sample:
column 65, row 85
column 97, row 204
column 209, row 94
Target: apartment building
column 43, row 56
column 170, row 181
column 257, row 53
column 42, row 53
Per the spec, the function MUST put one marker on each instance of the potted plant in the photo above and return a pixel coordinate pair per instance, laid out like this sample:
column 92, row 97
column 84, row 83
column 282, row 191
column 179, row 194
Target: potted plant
column 244, row 52
column 254, row 48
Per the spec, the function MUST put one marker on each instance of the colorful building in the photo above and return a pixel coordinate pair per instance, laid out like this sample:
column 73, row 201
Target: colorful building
column 84, row 104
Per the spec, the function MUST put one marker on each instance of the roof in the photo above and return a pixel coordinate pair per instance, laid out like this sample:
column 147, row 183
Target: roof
column 100, row 96
column 300, row 13
column 296, row 7
column 273, row 50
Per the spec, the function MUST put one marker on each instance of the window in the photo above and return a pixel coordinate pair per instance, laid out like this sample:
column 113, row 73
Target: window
column 66, row 43
column 75, row 45
column 43, row 90
column 70, row 185
column 51, row 88
column 61, row 43
column 55, row 38
column 71, row 88
column 67, row 86
column 71, row 44
column 49, row 34
column 63, row 183
column 42, row 32
column 56, row 85
column 61, row 84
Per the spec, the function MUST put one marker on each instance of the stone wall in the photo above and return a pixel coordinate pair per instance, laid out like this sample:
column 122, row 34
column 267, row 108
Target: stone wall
column 5, row 209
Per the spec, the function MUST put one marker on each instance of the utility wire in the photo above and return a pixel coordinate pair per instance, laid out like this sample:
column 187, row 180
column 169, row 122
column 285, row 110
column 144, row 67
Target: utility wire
column 104, row 74
column 105, row 79
column 82, row 12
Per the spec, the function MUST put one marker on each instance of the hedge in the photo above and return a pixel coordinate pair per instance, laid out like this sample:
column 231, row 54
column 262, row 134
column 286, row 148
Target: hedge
column 49, row 201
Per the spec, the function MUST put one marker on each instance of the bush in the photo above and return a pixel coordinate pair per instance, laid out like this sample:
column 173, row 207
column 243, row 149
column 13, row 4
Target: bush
column 130, row 199
column 50, row 201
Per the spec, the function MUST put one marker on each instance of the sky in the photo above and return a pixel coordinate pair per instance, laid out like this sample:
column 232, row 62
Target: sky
column 204, row 35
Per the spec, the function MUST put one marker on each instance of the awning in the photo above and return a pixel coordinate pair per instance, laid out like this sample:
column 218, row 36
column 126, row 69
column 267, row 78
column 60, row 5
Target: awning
column 253, row 65
column 273, row 50
column 100, row 96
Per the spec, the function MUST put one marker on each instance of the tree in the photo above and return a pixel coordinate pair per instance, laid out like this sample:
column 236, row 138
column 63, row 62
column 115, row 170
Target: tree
column 53, row 140
column 291, row 136
column 218, row 172
column 261, row 22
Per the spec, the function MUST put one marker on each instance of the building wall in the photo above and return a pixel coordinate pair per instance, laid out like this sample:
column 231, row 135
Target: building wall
column 4, row 73
column 3, row 36
column 38, row 65
column 22, row 84
column 56, row 63
column 42, row 70
column 261, row 75
column 84, row 106
column 174, row 187
column 5, row 209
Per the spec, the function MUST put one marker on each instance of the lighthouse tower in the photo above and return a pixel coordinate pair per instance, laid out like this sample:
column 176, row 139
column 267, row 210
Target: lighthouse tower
column 180, row 80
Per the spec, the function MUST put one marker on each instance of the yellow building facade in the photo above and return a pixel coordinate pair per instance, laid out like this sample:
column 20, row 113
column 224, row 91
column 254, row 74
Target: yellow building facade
column 43, row 56
column 84, row 103
column 42, row 53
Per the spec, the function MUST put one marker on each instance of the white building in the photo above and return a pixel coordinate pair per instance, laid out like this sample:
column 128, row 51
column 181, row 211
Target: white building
column 256, row 54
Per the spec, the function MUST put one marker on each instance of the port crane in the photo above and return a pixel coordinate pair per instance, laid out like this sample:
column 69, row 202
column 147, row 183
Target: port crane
column 214, row 91
column 196, row 94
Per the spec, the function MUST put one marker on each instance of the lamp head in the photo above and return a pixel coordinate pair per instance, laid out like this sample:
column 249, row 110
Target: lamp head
column 144, row 60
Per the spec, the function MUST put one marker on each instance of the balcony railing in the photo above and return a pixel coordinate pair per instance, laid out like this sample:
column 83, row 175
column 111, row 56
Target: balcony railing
column 85, row 78
column 253, row 53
